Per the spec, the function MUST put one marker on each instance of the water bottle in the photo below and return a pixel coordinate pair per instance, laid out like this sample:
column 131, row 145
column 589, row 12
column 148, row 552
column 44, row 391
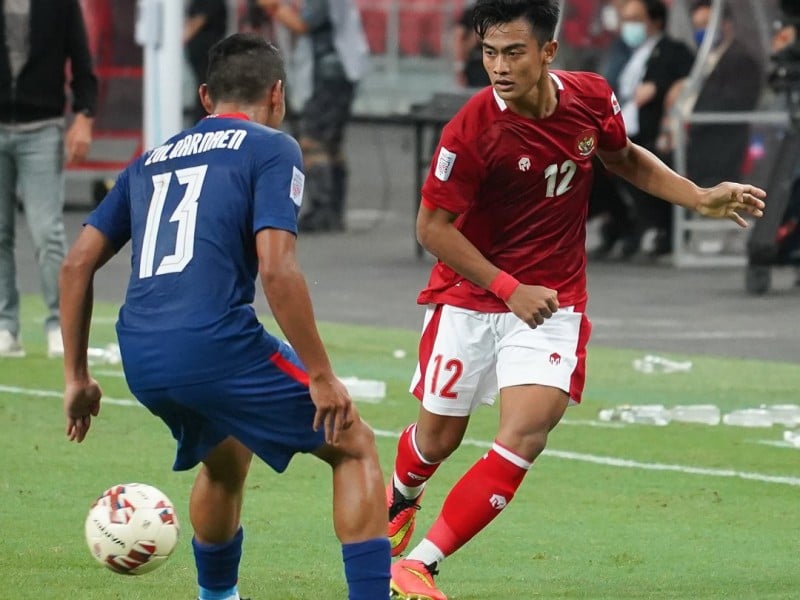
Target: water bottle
column 792, row 437
column 646, row 414
column 749, row 417
column 784, row 414
column 108, row 355
column 658, row 364
column 368, row 390
column 705, row 414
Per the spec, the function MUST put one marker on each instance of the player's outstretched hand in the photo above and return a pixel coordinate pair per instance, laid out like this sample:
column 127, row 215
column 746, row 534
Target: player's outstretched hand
column 81, row 403
column 533, row 303
column 730, row 200
column 334, row 406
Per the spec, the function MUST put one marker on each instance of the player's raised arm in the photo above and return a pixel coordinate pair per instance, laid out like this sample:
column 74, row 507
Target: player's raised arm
column 288, row 297
column 646, row 171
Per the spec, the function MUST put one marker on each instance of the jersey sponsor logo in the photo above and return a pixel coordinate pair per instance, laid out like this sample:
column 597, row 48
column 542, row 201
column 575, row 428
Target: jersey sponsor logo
column 498, row 502
column 585, row 143
column 555, row 358
column 615, row 104
column 298, row 185
column 524, row 163
column 444, row 164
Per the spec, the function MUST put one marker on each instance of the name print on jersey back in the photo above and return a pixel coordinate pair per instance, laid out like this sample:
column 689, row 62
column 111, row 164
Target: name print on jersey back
column 197, row 143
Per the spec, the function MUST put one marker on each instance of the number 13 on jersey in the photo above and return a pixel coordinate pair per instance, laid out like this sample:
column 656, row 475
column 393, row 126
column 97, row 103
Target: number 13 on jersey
column 185, row 215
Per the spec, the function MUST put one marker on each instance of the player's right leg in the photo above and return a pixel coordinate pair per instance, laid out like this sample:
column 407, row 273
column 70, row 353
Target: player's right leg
column 215, row 508
column 455, row 369
column 422, row 447
column 359, row 513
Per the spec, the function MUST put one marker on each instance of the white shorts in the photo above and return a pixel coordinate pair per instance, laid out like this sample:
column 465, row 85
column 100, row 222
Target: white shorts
column 466, row 356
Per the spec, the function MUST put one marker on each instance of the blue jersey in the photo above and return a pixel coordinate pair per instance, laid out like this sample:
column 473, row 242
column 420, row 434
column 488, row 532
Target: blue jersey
column 191, row 209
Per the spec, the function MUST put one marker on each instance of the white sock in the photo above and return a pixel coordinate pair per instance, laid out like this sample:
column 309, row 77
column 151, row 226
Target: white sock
column 427, row 552
column 408, row 491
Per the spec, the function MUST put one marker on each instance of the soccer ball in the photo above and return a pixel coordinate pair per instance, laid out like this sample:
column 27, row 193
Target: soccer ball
column 132, row 528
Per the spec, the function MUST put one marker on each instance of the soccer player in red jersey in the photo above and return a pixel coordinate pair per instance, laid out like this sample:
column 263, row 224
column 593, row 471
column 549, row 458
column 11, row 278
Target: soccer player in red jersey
column 504, row 211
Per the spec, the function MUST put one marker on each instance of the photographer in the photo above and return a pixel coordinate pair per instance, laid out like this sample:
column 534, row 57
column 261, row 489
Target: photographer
column 785, row 78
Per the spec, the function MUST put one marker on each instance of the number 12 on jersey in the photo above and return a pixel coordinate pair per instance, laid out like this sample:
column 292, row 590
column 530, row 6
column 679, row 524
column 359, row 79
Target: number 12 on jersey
column 185, row 215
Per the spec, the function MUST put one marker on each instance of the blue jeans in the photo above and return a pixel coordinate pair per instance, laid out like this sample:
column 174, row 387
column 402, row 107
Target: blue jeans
column 33, row 162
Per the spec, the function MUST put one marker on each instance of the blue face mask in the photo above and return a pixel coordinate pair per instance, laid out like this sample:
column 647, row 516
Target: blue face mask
column 700, row 35
column 633, row 33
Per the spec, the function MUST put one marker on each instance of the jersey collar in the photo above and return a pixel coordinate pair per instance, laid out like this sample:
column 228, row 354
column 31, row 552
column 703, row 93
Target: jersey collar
column 502, row 103
column 234, row 115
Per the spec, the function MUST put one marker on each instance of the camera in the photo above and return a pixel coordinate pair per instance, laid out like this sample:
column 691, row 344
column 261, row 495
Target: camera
column 784, row 75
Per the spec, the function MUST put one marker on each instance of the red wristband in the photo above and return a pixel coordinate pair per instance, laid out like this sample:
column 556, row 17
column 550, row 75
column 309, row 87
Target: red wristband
column 503, row 285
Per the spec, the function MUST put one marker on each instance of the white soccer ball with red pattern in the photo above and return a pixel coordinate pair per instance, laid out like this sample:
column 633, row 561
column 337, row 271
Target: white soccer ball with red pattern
column 132, row 528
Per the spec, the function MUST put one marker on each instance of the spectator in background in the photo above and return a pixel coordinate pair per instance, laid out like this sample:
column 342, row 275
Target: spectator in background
column 734, row 79
column 468, row 53
column 206, row 24
column 339, row 55
column 657, row 61
column 618, row 53
column 38, row 38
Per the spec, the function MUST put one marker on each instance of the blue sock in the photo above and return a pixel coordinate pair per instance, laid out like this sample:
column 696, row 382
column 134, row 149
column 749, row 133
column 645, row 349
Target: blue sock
column 218, row 567
column 366, row 567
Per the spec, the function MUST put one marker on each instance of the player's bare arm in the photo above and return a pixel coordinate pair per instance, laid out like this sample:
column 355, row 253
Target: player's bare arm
column 646, row 171
column 288, row 298
column 82, row 393
column 438, row 234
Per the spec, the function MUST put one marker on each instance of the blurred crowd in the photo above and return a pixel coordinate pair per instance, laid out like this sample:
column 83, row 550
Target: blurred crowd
column 645, row 48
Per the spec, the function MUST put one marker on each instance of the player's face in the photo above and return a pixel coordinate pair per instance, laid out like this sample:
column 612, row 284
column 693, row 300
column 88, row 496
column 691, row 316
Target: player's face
column 514, row 59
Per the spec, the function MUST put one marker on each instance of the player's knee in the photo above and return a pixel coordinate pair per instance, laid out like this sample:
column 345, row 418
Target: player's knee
column 526, row 444
column 436, row 448
column 356, row 443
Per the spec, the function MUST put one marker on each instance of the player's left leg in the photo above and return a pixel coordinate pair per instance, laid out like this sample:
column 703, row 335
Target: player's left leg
column 359, row 511
column 215, row 508
column 527, row 415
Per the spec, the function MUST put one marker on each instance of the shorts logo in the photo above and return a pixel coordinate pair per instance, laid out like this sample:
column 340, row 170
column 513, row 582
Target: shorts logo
column 444, row 164
column 498, row 502
column 586, row 143
column 524, row 163
column 615, row 104
column 415, row 477
column 297, row 186
column 555, row 358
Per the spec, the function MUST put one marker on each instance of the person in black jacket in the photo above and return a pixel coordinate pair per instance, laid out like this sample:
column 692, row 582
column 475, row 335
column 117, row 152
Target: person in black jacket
column 206, row 23
column 656, row 63
column 734, row 80
column 37, row 40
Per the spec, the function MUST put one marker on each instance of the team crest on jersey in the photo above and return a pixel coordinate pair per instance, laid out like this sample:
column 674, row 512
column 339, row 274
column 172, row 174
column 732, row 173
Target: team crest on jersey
column 586, row 142
column 524, row 163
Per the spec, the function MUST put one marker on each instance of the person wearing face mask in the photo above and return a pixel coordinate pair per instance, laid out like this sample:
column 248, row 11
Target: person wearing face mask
column 657, row 61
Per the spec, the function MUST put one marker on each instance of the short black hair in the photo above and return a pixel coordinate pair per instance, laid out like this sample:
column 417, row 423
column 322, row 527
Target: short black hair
column 656, row 11
column 541, row 14
column 241, row 67
column 727, row 13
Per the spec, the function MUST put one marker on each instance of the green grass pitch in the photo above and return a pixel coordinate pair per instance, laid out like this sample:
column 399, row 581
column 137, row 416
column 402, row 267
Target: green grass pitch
column 676, row 522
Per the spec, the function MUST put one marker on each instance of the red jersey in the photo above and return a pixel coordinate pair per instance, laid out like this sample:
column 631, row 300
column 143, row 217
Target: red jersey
column 521, row 188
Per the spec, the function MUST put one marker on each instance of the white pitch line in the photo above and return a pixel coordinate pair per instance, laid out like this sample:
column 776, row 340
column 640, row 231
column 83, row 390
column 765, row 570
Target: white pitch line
column 9, row 389
column 608, row 461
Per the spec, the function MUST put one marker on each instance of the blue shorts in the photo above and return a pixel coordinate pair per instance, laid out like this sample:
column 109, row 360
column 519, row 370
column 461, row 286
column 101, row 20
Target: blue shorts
column 266, row 407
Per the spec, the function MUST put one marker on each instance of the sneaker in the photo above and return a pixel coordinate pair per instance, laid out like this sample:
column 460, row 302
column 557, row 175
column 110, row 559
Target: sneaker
column 55, row 345
column 10, row 346
column 402, row 517
column 413, row 580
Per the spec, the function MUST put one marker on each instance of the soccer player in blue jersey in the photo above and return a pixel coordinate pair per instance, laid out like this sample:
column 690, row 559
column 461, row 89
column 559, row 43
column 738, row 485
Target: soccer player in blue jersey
column 205, row 213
